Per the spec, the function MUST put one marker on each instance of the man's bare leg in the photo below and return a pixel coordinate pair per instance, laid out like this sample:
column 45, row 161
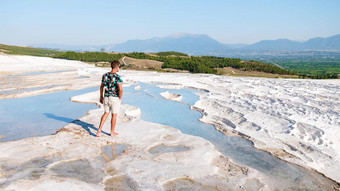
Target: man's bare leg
column 102, row 121
column 113, row 124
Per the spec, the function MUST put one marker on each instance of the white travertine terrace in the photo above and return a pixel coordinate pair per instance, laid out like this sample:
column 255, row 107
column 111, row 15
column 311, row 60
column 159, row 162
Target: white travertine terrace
column 297, row 120
column 171, row 96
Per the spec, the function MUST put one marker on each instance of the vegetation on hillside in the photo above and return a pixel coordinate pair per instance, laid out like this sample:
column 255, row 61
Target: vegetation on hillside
column 313, row 67
column 170, row 53
column 89, row 56
column 208, row 64
column 194, row 64
column 27, row 50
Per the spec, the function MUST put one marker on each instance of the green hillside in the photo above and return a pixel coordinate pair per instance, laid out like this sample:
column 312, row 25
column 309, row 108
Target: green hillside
column 27, row 51
column 194, row 64
column 89, row 56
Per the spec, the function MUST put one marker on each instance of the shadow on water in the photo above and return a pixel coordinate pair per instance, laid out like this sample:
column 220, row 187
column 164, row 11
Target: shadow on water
column 24, row 117
column 84, row 125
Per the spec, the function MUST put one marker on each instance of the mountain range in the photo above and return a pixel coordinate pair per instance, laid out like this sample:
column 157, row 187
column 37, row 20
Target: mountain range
column 202, row 44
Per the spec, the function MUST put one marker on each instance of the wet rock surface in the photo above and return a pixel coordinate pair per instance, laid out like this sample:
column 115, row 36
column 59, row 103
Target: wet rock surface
column 167, row 149
column 79, row 169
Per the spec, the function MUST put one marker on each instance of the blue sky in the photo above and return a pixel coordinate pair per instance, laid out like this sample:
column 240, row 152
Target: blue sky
column 99, row 22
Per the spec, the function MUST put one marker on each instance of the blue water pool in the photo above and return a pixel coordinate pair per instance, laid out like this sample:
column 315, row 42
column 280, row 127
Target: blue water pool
column 40, row 115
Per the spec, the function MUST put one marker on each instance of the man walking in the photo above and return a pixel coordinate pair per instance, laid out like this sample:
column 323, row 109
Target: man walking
column 112, row 84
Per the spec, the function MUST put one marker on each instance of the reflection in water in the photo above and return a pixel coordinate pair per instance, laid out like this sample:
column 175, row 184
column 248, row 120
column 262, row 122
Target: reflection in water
column 112, row 151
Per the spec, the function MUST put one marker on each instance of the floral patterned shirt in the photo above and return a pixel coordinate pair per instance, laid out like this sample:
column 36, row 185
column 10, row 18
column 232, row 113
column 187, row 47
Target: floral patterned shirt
column 111, row 81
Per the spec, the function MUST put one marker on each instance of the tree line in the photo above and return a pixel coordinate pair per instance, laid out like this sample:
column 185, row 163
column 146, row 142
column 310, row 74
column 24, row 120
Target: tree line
column 89, row 56
column 318, row 76
column 170, row 53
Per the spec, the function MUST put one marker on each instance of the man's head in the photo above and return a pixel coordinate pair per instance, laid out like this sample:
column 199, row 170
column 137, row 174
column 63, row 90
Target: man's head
column 115, row 65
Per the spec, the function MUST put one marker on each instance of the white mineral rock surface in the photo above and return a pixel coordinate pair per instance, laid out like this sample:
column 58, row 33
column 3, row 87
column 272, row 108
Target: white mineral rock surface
column 70, row 75
column 171, row 96
column 297, row 120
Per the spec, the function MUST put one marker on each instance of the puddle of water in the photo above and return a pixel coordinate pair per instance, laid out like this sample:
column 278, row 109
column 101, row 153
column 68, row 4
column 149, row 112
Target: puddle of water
column 83, row 77
column 112, row 151
column 37, row 73
column 189, row 184
column 121, row 182
column 40, row 115
column 189, row 95
column 31, row 169
column 167, row 149
column 241, row 151
column 79, row 169
column 27, row 89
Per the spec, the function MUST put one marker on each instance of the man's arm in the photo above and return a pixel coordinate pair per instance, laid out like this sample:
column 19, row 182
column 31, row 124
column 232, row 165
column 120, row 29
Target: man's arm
column 101, row 93
column 120, row 89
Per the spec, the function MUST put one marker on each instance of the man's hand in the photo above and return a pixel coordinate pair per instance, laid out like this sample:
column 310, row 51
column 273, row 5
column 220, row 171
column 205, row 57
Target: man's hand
column 101, row 99
column 120, row 91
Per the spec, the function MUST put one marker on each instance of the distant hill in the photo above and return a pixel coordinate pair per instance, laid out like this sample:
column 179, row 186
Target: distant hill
column 280, row 44
column 330, row 43
column 192, row 44
column 201, row 44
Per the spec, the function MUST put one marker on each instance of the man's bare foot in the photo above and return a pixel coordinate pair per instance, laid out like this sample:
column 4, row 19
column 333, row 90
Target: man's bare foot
column 98, row 134
column 113, row 134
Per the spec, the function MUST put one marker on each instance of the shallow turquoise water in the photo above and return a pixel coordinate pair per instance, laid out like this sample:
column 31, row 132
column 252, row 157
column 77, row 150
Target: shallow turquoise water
column 16, row 91
column 189, row 95
column 40, row 115
column 36, row 73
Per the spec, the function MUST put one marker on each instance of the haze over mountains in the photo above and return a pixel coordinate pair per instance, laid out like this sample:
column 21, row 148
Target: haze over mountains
column 201, row 44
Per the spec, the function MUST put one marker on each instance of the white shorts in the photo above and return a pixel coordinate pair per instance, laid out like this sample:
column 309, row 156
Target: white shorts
column 111, row 104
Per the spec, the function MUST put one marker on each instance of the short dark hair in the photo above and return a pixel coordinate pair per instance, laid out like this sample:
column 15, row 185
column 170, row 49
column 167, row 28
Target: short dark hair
column 114, row 64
